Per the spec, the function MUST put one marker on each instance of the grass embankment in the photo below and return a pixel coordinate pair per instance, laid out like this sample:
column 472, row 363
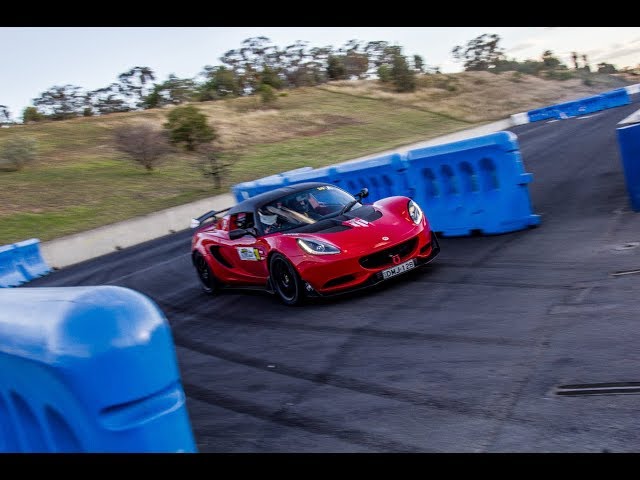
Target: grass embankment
column 81, row 182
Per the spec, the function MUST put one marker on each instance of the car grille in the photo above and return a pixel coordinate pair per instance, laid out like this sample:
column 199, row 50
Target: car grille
column 338, row 281
column 385, row 257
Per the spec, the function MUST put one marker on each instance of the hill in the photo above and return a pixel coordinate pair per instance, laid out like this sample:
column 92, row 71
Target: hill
column 80, row 181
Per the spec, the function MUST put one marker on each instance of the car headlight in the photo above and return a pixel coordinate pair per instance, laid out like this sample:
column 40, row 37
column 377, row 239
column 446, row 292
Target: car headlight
column 317, row 247
column 415, row 212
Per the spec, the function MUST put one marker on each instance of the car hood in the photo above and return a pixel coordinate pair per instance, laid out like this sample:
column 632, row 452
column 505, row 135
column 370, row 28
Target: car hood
column 368, row 227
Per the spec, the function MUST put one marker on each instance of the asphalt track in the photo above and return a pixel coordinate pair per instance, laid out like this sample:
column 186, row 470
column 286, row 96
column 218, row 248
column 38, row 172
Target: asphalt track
column 466, row 356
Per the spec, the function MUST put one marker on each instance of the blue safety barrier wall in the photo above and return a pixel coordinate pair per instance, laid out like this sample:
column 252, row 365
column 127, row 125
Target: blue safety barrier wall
column 21, row 262
column 30, row 259
column 244, row 190
column 88, row 369
column 477, row 184
column 326, row 174
column 583, row 106
column 616, row 98
column 10, row 274
column 383, row 177
column 629, row 144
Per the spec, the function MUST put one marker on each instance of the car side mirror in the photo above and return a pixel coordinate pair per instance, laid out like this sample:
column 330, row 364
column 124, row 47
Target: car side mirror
column 240, row 232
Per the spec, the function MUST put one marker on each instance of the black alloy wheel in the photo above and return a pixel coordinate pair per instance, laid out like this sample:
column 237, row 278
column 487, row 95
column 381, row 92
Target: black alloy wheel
column 285, row 280
column 208, row 280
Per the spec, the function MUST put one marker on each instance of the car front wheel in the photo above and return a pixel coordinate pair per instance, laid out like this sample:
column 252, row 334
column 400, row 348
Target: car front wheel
column 208, row 281
column 285, row 280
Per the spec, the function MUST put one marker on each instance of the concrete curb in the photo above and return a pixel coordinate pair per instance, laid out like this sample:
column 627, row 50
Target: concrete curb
column 79, row 247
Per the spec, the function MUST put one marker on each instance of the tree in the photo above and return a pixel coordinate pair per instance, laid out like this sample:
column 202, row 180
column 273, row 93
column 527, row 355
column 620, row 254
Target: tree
column 586, row 63
column 173, row 91
column 221, row 83
column 574, row 57
column 481, row 53
column 5, row 115
column 31, row 114
column 384, row 74
column 403, row 77
column 211, row 163
column 335, row 68
column 188, row 126
column 142, row 143
column 418, row 64
column 134, row 84
column 16, row 152
column 267, row 94
column 106, row 100
column 606, row 68
column 61, row 102
column 549, row 60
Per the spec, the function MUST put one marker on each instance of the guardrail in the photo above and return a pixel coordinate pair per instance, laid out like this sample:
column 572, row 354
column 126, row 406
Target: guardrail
column 88, row 369
column 473, row 185
column 628, row 134
column 21, row 262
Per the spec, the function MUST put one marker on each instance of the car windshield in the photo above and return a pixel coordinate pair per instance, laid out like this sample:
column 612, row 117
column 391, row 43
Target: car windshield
column 304, row 208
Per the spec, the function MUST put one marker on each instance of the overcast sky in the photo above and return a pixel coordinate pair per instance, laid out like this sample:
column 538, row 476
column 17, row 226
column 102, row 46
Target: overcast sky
column 34, row 59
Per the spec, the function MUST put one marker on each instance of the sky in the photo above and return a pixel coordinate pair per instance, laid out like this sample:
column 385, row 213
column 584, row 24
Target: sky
column 34, row 59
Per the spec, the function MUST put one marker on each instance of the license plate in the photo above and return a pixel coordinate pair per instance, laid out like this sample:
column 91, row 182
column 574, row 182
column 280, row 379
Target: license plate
column 398, row 269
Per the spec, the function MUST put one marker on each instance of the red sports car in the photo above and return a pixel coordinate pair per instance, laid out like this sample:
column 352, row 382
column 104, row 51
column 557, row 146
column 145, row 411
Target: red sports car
column 310, row 239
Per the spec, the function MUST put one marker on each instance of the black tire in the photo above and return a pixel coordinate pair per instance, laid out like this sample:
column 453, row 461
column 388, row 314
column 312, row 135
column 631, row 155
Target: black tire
column 285, row 280
column 208, row 280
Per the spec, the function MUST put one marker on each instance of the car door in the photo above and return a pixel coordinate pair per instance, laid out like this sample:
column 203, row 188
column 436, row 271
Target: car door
column 247, row 255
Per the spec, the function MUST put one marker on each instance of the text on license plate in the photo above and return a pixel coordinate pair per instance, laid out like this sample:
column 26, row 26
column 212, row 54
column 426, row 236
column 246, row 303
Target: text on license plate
column 398, row 269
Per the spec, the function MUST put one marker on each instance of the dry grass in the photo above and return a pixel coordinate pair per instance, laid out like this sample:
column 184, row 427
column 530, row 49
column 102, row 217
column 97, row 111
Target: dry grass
column 480, row 96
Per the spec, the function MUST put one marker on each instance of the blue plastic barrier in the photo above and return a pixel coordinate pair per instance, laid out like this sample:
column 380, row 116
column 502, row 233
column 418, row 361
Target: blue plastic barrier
column 88, row 369
column 616, row 98
column 245, row 190
column 30, row 259
column 629, row 144
column 583, row 106
column 10, row 274
column 383, row 176
column 327, row 174
column 477, row 184
column 591, row 105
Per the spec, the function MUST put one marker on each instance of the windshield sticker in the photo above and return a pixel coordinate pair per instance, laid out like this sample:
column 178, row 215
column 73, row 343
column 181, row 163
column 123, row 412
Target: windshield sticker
column 248, row 253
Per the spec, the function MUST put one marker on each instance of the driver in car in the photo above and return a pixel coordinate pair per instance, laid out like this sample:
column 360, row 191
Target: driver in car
column 307, row 205
column 270, row 222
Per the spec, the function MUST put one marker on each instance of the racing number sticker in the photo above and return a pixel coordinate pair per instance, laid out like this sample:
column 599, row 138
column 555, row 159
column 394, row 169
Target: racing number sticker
column 248, row 253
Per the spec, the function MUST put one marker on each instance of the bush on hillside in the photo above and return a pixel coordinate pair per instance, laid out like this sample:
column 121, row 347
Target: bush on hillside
column 187, row 126
column 17, row 152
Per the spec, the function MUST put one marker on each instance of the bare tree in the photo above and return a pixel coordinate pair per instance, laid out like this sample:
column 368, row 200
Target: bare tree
column 211, row 163
column 142, row 143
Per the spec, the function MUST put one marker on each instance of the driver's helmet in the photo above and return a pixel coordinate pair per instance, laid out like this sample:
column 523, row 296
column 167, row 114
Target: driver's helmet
column 241, row 220
column 267, row 219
